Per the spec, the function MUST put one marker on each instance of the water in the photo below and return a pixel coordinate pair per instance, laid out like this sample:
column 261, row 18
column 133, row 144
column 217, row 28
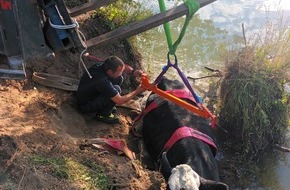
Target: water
column 275, row 172
column 219, row 23
column 213, row 25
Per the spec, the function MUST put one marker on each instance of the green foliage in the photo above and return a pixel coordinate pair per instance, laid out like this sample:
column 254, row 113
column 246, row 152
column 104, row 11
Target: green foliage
column 116, row 14
column 6, row 183
column 253, row 103
column 86, row 173
column 122, row 13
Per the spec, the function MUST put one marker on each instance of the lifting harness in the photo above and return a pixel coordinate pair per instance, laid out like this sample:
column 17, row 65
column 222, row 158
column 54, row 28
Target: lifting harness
column 199, row 109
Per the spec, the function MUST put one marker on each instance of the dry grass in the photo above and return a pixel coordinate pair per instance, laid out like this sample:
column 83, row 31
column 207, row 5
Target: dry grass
column 254, row 108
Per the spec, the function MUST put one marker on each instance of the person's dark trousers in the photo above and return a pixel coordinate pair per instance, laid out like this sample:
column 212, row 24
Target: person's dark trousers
column 101, row 105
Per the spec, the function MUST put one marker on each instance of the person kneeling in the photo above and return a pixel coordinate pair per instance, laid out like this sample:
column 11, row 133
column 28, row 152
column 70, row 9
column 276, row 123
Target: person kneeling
column 102, row 92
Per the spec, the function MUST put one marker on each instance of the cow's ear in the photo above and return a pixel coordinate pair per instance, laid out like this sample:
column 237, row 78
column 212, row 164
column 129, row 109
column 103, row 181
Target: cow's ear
column 212, row 185
column 165, row 168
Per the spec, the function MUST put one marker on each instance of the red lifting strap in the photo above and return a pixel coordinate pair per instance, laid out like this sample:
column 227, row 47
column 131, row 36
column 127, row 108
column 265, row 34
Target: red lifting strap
column 201, row 110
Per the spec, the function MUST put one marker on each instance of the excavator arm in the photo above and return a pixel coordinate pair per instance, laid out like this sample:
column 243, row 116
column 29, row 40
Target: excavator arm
column 39, row 28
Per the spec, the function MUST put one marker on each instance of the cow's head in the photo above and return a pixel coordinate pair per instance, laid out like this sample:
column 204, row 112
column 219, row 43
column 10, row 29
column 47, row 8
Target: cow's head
column 166, row 84
column 183, row 177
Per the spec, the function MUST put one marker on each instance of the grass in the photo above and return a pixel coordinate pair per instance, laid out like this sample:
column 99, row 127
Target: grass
column 6, row 183
column 87, row 173
column 254, row 107
column 121, row 13
column 116, row 14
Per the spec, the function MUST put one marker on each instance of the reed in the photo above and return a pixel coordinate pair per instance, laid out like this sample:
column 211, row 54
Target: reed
column 253, row 104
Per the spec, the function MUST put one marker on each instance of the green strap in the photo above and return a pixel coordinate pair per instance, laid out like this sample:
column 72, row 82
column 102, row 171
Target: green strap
column 192, row 6
column 166, row 25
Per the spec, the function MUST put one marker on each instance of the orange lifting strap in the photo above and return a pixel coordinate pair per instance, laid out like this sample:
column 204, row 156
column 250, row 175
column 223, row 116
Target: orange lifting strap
column 202, row 111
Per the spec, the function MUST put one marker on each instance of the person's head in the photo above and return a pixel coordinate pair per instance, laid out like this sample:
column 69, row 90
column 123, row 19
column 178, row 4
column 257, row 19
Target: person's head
column 114, row 66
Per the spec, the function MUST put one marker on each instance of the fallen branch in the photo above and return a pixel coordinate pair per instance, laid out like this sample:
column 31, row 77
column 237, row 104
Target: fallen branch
column 217, row 73
column 244, row 34
column 21, row 178
column 281, row 148
column 138, row 169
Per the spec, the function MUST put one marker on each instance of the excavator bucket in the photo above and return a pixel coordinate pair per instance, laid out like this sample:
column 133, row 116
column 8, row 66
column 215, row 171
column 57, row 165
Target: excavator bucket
column 33, row 28
column 10, row 50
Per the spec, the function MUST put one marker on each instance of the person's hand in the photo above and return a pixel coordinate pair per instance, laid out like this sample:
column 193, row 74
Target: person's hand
column 137, row 73
column 140, row 89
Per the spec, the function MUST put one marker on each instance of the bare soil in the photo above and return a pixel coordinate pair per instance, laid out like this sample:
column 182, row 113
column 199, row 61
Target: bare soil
column 37, row 120
column 43, row 121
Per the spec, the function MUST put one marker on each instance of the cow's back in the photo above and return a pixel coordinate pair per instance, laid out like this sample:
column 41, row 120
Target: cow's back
column 159, row 125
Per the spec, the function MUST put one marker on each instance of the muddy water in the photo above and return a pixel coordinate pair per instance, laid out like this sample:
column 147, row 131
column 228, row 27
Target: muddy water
column 275, row 173
column 203, row 45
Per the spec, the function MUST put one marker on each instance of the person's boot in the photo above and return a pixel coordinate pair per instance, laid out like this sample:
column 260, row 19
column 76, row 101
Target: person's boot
column 110, row 119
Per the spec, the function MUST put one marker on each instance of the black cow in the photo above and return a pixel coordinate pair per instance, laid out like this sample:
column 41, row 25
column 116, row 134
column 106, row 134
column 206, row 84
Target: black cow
column 190, row 162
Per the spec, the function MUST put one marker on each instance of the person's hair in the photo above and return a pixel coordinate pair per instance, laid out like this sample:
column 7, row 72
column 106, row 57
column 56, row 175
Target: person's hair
column 112, row 62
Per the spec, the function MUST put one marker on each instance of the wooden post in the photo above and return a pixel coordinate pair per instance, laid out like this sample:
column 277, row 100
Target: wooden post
column 142, row 26
column 89, row 7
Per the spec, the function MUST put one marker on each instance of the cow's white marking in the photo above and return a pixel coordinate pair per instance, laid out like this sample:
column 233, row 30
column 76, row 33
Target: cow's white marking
column 183, row 177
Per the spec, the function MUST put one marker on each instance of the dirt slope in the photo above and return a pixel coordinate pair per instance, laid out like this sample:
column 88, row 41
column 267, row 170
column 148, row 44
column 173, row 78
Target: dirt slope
column 42, row 122
column 37, row 120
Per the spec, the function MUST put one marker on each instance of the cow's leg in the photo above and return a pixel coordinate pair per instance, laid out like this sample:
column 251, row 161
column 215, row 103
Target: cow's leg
column 145, row 157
